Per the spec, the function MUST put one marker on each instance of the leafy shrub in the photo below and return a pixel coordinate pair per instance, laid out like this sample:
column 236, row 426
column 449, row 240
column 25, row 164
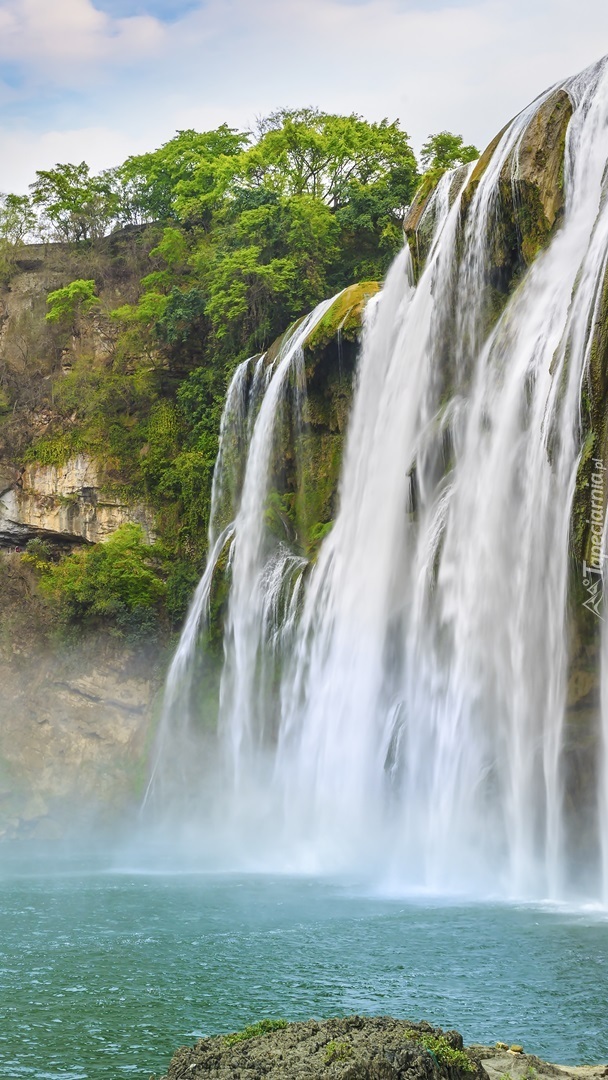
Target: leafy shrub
column 182, row 317
column 109, row 579
column 38, row 552
column 68, row 304
column 442, row 1051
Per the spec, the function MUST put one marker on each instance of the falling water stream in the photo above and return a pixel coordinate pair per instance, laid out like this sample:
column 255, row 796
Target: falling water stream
column 398, row 708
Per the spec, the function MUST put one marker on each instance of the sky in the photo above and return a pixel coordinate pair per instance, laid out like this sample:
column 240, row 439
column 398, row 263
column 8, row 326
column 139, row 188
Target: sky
column 101, row 79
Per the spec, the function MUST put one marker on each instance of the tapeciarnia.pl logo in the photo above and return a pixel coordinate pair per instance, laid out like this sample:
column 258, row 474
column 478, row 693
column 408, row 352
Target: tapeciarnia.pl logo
column 592, row 572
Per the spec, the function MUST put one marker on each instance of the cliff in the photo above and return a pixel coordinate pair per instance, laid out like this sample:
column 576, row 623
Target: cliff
column 82, row 678
column 76, row 719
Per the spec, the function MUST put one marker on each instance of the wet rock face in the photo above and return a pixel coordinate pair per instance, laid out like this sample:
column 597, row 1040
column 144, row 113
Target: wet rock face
column 531, row 196
column 539, row 175
column 354, row 1048
column 307, row 459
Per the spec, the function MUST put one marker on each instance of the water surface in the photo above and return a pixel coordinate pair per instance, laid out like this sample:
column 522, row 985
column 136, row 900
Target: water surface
column 103, row 973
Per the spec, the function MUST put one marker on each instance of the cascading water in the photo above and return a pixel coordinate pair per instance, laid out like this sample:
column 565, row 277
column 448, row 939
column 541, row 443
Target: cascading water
column 266, row 577
column 400, row 709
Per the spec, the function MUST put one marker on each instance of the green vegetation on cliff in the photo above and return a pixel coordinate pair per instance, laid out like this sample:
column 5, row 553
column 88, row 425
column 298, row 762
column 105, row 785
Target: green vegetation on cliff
column 119, row 578
column 218, row 241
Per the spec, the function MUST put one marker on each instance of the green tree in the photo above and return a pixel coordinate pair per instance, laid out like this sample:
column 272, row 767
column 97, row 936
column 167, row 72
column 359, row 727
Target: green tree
column 305, row 151
column 75, row 205
column 18, row 219
column 17, row 222
column 271, row 264
column 68, row 305
column 315, row 203
column 189, row 166
column 445, row 151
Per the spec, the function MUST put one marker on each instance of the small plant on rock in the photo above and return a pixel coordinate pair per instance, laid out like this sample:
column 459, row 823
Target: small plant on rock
column 337, row 1051
column 440, row 1048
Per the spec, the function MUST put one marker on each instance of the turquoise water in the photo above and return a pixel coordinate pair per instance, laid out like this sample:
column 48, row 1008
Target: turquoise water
column 103, row 973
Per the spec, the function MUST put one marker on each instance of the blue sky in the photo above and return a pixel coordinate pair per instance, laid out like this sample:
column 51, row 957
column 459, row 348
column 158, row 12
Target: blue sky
column 99, row 79
column 167, row 10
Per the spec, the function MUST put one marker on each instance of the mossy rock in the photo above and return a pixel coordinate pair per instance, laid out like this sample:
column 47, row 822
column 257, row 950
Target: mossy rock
column 530, row 202
column 420, row 221
column 354, row 1047
column 307, row 460
column 316, row 504
column 344, row 318
column 418, row 235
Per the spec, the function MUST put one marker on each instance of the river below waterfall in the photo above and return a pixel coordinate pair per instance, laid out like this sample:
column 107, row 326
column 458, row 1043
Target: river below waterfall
column 104, row 972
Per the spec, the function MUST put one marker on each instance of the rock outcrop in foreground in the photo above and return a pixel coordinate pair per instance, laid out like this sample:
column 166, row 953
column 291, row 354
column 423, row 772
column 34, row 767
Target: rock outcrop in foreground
column 359, row 1048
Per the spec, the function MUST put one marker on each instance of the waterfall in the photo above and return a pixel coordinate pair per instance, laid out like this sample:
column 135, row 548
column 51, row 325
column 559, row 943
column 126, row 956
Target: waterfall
column 266, row 579
column 399, row 707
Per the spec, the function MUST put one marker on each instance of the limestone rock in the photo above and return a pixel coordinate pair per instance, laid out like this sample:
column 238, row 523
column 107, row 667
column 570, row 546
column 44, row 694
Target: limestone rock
column 69, row 501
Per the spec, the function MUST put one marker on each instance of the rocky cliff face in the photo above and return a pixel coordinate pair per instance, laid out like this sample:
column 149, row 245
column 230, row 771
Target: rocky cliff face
column 76, row 717
column 33, row 352
column 76, row 711
column 69, row 502
column 75, row 500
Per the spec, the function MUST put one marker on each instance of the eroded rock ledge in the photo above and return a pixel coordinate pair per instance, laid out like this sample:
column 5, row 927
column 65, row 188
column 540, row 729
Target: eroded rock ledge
column 70, row 502
column 360, row 1048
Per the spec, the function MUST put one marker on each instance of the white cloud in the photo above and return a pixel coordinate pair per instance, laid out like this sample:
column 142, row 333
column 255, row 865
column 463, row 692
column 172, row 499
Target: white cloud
column 465, row 65
column 61, row 39
column 24, row 152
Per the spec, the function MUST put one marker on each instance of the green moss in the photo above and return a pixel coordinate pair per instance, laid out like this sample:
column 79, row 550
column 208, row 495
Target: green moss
column 279, row 516
column 345, row 316
column 253, row 1031
column 58, row 449
column 321, row 455
column 442, row 1051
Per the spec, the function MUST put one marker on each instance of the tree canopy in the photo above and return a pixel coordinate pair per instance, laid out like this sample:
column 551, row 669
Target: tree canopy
column 74, row 204
column 446, row 151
